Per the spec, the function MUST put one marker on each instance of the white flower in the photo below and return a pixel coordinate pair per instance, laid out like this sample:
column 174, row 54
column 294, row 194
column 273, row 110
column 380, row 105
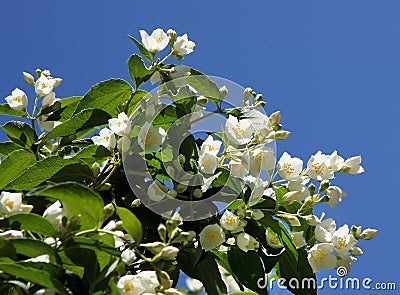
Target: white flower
column 321, row 257
column 210, row 146
column 325, row 230
column 342, row 240
column 289, row 168
column 345, row 261
column 238, row 169
column 336, row 161
column 229, row 221
column 105, row 138
column 319, row 167
column 239, row 131
column 257, row 214
column 128, row 256
column 368, row 234
column 10, row 203
column 208, row 163
column 335, row 195
column 124, row 143
column 299, row 186
column 49, row 99
column 130, row 285
column 194, row 285
column 298, row 240
column 120, row 125
column 150, row 138
column 180, row 71
column 272, row 240
column 183, row 46
column 46, row 125
column 261, row 158
column 211, row 237
column 148, row 280
column 156, row 42
column 17, row 100
column 352, row 165
column 54, row 213
column 157, row 191
column 11, row 234
column 44, row 85
column 42, row 258
column 257, row 186
column 246, row 242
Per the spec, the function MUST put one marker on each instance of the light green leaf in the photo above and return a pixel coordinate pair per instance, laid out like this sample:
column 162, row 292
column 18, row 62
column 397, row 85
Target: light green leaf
column 7, row 148
column 84, row 120
column 33, row 248
column 20, row 132
column 77, row 199
column 50, row 169
column 135, row 100
column 32, row 222
column 14, row 165
column 138, row 71
column 106, row 96
column 5, row 109
column 131, row 224
column 146, row 54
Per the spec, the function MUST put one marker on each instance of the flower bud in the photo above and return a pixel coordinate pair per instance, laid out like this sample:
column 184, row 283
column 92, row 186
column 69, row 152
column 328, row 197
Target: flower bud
column 172, row 193
column 223, row 91
column 169, row 253
column 108, row 211
column 182, row 159
column 154, row 247
column 172, row 37
column 260, row 104
column 356, row 231
column 135, row 203
column 119, row 225
column 57, row 82
column 197, row 193
column 356, row 251
column 47, row 73
column 164, row 279
column 28, row 78
column 275, row 118
column 368, row 234
column 281, row 134
column 242, row 210
column 312, row 220
column 128, row 256
column 257, row 214
column 247, row 93
column 105, row 187
column 324, row 185
column 180, row 188
column 172, row 291
column 75, row 223
column 38, row 73
column 162, row 232
column 95, row 169
column 202, row 100
column 259, row 97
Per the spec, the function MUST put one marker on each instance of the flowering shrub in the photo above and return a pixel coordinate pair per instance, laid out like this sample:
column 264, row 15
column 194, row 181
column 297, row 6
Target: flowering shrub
column 116, row 191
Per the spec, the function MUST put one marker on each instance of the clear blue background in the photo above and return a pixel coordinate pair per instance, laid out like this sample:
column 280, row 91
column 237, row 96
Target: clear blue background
column 331, row 67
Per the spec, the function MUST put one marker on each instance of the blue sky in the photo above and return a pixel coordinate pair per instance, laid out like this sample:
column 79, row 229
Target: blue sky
column 332, row 68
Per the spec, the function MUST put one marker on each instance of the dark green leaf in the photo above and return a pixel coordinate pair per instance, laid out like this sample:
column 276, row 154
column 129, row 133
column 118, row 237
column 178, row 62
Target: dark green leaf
column 206, row 270
column 20, row 132
column 77, row 200
column 33, row 248
column 5, row 109
column 146, row 54
column 32, row 222
column 14, row 165
column 248, row 268
column 7, row 249
column 131, row 224
column 52, row 168
column 86, row 119
column 106, row 96
column 138, row 71
column 297, row 272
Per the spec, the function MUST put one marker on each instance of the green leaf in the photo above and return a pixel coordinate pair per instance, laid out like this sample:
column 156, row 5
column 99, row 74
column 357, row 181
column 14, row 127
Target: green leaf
column 77, row 199
column 5, row 109
column 7, row 250
column 84, row 120
column 7, row 148
column 203, row 84
column 53, row 168
column 14, row 165
column 222, row 259
column 297, row 272
column 206, row 270
column 138, row 71
column 248, row 268
column 93, row 153
column 135, row 100
column 106, row 96
column 31, row 222
column 20, row 132
column 131, row 224
column 63, row 109
column 96, row 244
column 33, row 248
column 146, row 54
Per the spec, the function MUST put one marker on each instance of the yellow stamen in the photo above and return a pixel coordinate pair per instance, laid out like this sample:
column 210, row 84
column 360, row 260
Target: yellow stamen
column 128, row 286
column 8, row 203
